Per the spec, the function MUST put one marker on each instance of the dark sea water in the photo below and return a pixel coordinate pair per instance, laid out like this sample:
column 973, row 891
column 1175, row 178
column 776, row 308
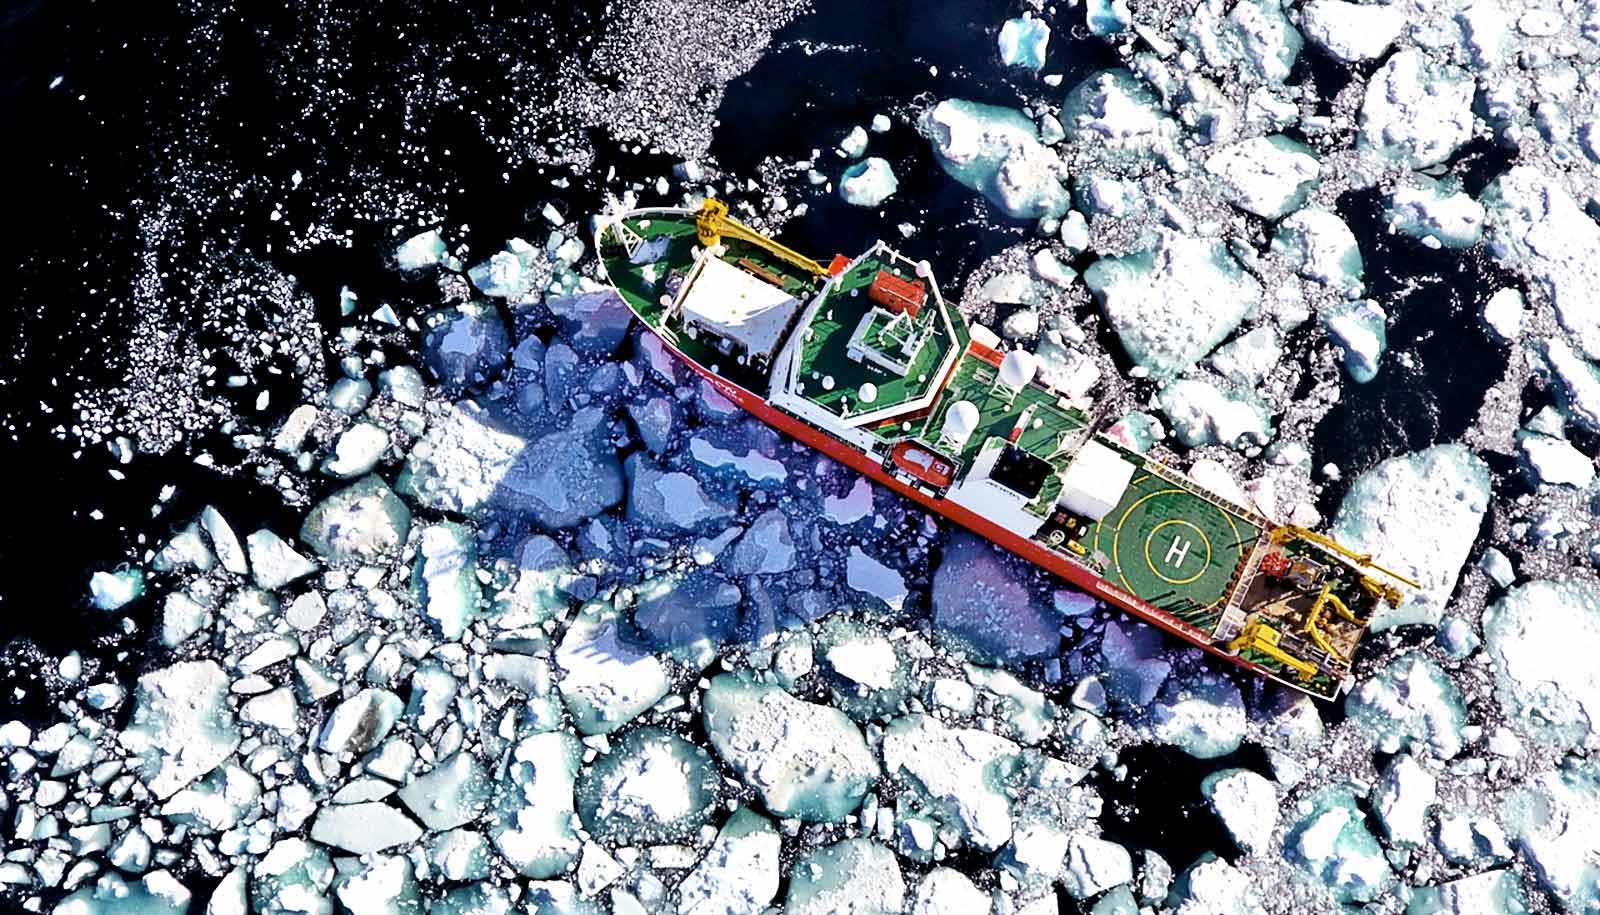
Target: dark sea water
column 203, row 116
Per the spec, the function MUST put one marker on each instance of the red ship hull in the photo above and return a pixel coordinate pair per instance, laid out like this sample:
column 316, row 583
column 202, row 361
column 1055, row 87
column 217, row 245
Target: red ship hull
column 1033, row 552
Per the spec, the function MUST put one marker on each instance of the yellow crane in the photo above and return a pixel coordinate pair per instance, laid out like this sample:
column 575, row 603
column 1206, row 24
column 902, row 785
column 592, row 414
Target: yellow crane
column 1379, row 590
column 1259, row 637
column 713, row 222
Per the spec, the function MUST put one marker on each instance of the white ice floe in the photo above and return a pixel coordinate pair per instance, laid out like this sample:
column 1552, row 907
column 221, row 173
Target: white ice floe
column 996, row 152
column 1247, row 804
column 1536, row 228
column 1553, row 461
column 1360, row 331
column 361, row 722
column 1497, row 892
column 1203, row 414
column 1403, row 797
column 1552, row 821
column 1352, row 32
column 1434, row 212
column 466, row 345
column 1115, row 110
column 1333, row 844
column 608, row 679
column 1417, row 514
column 1172, row 304
column 1542, row 637
column 739, row 874
column 1267, row 176
column 356, row 451
column 445, row 578
column 849, row 877
column 1577, row 383
column 182, row 725
column 807, row 761
column 1094, row 865
column 1023, row 42
column 652, row 787
column 1503, row 315
column 1322, row 248
column 363, row 522
column 362, row 829
column 945, row 891
column 868, row 183
column 534, row 816
column 273, row 562
column 453, row 794
column 961, row 771
column 1416, row 110
column 1248, row 358
column 420, row 251
column 115, row 590
column 1200, row 713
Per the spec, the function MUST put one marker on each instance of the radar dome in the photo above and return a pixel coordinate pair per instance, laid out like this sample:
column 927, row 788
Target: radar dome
column 1017, row 368
column 960, row 422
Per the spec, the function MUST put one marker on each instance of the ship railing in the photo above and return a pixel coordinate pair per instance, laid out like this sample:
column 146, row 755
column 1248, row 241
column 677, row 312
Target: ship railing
column 1158, row 469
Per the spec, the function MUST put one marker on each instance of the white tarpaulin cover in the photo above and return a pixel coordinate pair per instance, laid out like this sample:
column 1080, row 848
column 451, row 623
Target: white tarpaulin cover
column 1094, row 481
column 739, row 306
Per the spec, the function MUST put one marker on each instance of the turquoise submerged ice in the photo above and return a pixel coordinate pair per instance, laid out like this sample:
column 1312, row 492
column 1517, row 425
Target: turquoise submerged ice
column 1334, row 845
column 1023, row 42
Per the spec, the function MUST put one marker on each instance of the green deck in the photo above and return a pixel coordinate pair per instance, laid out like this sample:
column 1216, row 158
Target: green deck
column 825, row 354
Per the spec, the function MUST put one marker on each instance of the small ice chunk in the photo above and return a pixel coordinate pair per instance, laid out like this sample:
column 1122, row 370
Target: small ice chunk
column 362, row 829
column 1094, row 865
column 114, row 590
column 1553, row 461
column 869, row 576
column 362, row 522
column 1503, row 313
column 1360, row 331
column 357, row 451
column 1023, row 42
column 420, row 251
column 274, row 562
column 739, row 874
column 849, row 876
column 445, row 578
column 868, row 183
column 361, row 722
column 1435, row 213
column 182, row 726
column 156, row 893
column 224, row 541
column 1267, row 176
column 854, row 144
column 1107, row 18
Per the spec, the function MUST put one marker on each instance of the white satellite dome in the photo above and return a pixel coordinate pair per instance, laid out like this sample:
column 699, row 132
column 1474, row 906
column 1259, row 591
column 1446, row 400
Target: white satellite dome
column 960, row 421
column 1017, row 368
column 868, row 392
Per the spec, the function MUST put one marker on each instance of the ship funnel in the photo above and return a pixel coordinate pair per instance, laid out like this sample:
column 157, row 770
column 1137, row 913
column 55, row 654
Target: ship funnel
column 1018, row 368
column 959, row 423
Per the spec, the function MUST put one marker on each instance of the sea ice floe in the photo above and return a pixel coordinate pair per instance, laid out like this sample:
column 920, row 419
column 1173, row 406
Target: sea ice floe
column 362, row 522
column 445, row 578
column 849, row 877
column 356, row 451
column 867, row 575
column 766, row 548
column 1360, row 331
column 1403, row 797
column 1553, row 461
column 1417, row 111
column 670, row 499
column 807, row 761
column 1552, row 818
column 1212, row 886
column 1537, row 228
column 115, row 590
column 609, row 678
column 739, row 873
column 1577, row 383
column 534, row 816
column 1410, row 702
column 1436, row 213
column 593, row 321
column 1200, row 713
column 1322, row 248
column 382, row 885
column 981, row 597
column 1172, row 304
column 224, row 542
column 868, row 183
column 1201, row 413
column 454, row 793
column 156, row 893
column 1541, row 638
column 1267, row 176
column 1023, row 42
column 1247, row 804
column 1331, row 841
column 961, row 773
column 182, row 726
column 688, row 614
column 273, row 562
column 996, row 152
column 1108, row 17
column 1418, row 514
column 945, row 891
column 1115, row 111
column 466, row 345
column 1352, row 32
column 292, row 878
column 1497, row 892
column 652, row 787
column 1503, row 314
column 362, row 829
column 1135, row 670
column 420, row 251
column 1094, row 865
